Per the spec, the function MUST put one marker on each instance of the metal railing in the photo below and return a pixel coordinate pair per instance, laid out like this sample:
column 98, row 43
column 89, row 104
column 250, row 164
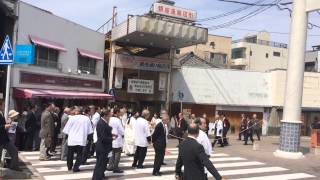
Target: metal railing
column 87, row 70
column 47, row 64
column 263, row 42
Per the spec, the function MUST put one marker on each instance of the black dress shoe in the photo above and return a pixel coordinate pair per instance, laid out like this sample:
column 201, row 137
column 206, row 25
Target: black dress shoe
column 140, row 167
column 117, row 171
column 164, row 164
column 133, row 166
column 76, row 170
column 156, row 174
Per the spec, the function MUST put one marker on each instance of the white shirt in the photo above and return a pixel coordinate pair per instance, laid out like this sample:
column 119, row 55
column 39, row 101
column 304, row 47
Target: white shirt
column 117, row 129
column 95, row 119
column 211, row 128
column 141, row 132
column 219, row 126
column 205, row 142
column 78, row 128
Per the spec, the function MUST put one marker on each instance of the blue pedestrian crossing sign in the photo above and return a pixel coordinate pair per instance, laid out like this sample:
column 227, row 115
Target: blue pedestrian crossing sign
column 6, row 52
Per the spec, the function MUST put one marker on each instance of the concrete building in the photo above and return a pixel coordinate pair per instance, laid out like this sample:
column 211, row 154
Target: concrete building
column 233, row 92
column 311, row 60
column 68, row 62
column 258, row 53
column 142, row 53
column 216, row 51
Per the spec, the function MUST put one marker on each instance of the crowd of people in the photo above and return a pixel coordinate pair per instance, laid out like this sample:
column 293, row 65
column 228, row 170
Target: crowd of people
column 108, row 132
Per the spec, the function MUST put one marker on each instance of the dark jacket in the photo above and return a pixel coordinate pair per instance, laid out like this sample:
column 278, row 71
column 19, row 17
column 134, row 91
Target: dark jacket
column 104, row 143
column 4, row 139
column 181, row 126
column 159, row 137
column 31, row 123
column 249, row 126
column 193, row 157
column 226, row 125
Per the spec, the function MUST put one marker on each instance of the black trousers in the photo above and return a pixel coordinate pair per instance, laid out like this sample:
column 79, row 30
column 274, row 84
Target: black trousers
column 247, row 136
column 224, row 136
column 139, row 156
column 158, row 159
column 219, row 139
column 71, row 150
column 257, row 132
column 86, row 153
column 13, row 153
column 241, row 133
column 101, row 165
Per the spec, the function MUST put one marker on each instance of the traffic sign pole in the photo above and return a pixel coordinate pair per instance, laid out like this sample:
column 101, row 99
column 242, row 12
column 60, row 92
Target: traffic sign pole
column 6, row 107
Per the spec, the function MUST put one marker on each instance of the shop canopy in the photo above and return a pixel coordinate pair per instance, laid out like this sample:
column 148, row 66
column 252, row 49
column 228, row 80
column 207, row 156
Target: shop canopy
column 90, row 54
column 33, row 93
column 47, row 43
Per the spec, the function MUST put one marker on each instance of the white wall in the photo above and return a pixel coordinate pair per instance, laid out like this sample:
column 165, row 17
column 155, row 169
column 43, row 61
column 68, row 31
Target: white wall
column 34, row 21
column 222, row 87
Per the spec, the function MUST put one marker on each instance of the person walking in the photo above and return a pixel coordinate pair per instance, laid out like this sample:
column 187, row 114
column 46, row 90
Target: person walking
column 203, row 138
column 103, row 144
column 5, row 143
column 248, row 132
column 31, row 128
column 181, row 127
column 78, row 128
column 142, row 138
column 243, row 125
column 95, row 118
column 159, row 140
column 226, row 127
column 218, row 132
column 64, row 145
column 193, row 157
column 117, row 144
column 256, row 126
column 46, row 131
column 129, row 132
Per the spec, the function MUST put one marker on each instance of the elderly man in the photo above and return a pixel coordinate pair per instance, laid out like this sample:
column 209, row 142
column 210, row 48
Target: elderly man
column 142, row 138
column 218, row 132
column 78, row 128
column 159, row 140
column 203, row 137
column 117, row 144
column 64, row 145
column 46, row 131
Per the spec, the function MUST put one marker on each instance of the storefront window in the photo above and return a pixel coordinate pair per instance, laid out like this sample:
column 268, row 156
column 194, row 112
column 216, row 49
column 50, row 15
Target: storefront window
column 46, row 57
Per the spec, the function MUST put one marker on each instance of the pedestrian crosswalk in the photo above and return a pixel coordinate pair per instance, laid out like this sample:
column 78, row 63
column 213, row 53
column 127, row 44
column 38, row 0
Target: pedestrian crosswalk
column 232, row 167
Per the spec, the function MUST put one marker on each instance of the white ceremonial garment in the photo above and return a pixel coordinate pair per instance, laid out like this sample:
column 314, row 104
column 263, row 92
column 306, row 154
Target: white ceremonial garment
column 129, row 146
column 94, row 120
column 205, row 142
column 219, row 126
column 117, row 129
column 78, row 128
column 141, row 132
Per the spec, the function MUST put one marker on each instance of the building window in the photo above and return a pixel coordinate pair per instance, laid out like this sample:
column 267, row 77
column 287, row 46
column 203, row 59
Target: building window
column 267, row 55
column 238, row 53
column 218, row 58
column 277, row 54
column 87, row 65
column 250, row 53
column 212, row 45
column 46, row 57
column 178, row 51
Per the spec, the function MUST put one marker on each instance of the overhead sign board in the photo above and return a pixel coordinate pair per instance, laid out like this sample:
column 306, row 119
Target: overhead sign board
column 24, row 54
column 6, row 52
column 173, row 11
column 140, row 86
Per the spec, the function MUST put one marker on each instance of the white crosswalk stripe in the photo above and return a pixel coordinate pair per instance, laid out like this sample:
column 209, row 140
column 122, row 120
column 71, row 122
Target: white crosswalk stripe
column 237, row 168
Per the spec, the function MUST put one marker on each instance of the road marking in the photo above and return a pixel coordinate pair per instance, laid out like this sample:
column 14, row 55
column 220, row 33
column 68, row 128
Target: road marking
column 280, row 177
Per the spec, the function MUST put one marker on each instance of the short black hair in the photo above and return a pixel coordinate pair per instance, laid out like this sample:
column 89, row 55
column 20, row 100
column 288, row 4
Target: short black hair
column 116, row 110
column 193, row 129
column 105, row 112
column 197, row 121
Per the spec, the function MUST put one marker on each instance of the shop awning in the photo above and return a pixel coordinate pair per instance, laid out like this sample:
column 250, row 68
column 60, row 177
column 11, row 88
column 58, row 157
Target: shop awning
column 90, row 54
column 33, row 93
column 47, row 43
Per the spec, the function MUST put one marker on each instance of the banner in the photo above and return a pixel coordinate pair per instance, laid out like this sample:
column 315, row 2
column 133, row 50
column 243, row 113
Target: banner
column 140, row 86
column 24, row 54
column 162, row 81
column 118, row 79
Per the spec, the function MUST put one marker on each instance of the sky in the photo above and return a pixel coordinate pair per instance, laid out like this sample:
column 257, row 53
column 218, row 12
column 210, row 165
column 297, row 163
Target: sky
column 94, row 13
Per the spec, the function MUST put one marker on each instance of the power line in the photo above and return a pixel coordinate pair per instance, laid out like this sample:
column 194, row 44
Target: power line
column 229, row 13
column 243, row 18
column 254, row 4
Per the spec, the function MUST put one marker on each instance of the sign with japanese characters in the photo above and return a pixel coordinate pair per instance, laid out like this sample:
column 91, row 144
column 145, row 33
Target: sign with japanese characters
column 140, row 86
column 173, row 11
column 142, row 63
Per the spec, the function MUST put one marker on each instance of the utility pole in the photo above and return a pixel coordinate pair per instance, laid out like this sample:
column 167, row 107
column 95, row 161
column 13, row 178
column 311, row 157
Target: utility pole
column 112, row 51
column 291, row 124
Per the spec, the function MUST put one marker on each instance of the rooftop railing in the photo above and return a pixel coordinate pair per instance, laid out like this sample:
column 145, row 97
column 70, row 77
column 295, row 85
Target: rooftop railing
column 262, row 42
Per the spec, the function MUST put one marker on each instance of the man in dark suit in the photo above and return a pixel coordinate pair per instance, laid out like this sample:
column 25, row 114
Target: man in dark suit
column 8, row 145
column 193, row 157
column 226, row 127
column 103, row 145
column 31, row 127
column 159, row 141
column 181, row 127
column 248, row 132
